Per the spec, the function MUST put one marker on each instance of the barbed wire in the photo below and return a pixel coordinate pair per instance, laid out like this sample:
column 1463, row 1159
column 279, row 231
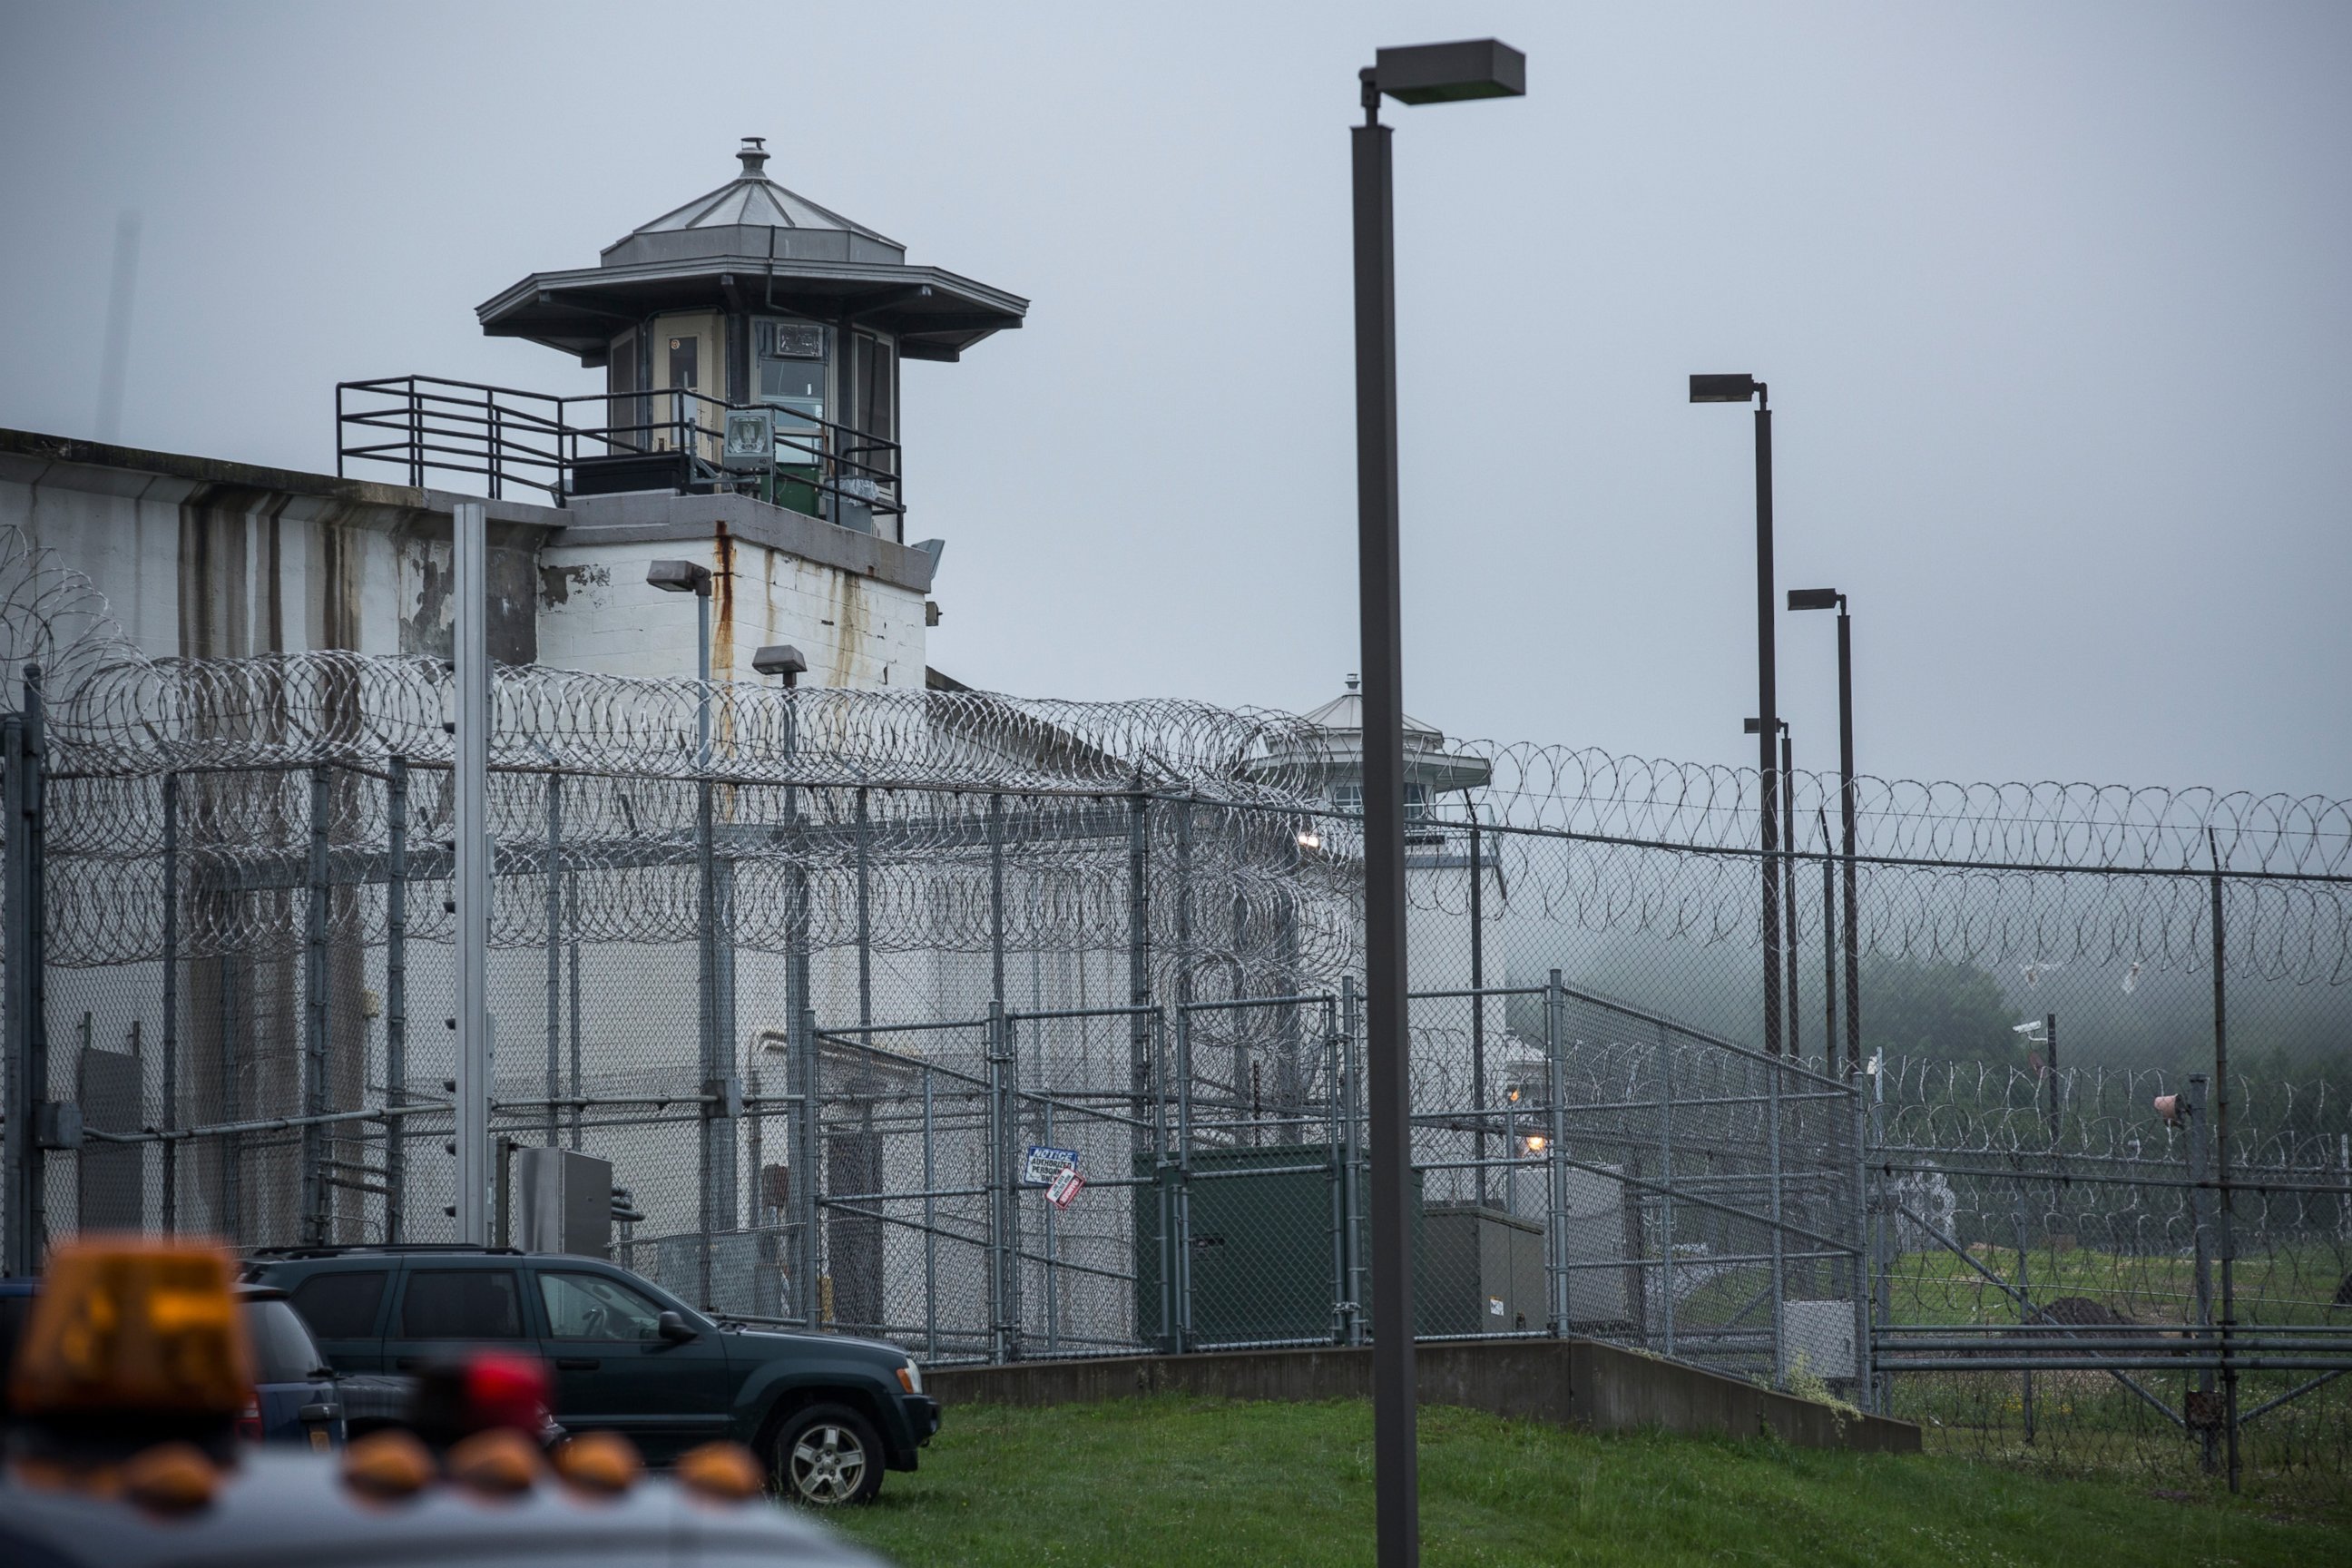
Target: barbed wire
column 1582, row 840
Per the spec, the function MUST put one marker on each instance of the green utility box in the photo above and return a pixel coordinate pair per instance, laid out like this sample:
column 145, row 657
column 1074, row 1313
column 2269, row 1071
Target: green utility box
column 1263, row 1245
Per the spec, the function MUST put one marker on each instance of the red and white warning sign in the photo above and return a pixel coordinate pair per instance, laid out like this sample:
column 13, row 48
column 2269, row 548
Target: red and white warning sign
column 1066, row 1187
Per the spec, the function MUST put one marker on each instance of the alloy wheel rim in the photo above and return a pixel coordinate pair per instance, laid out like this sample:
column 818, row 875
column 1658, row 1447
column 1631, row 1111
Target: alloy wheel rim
column 827, row 1465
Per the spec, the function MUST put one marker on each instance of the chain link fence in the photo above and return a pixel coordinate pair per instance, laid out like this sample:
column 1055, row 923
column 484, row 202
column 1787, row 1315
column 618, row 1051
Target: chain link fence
column 1006, row 1029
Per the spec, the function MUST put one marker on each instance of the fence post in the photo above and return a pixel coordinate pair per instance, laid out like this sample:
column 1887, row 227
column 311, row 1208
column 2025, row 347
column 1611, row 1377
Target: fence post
column 706, row 1218
column 395, row 997
column 1478, row 1007
column 230, row 1217
column 1779, row 1241
column 1333, row 1088
column 1555, row 1173
column 171, row 1152
column 1164, row 1193
column 1290, row 1089
column 1866, row 1379
column 555, row 948
column 314, row 1186
column 29, row 1053
column 572, row 926
column 2200, row 1206
column 2024, row 1296
column 931, row 1230
column 1138, row 957
column 999, row 1172
column 476, row 866
column 1184, row 1137
column 2229, row 1237
column 863, row 829
column 1184, row 935
column 1882, row 1234
column 804, row 1161
column 1352, row 1153
column 1667, row 1186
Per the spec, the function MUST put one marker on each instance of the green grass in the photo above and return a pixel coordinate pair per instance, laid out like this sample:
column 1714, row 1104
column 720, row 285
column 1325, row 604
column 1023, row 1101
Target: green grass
column 1172, row 1481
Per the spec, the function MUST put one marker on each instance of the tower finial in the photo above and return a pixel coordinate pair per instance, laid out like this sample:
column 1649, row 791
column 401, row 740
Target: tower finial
column 1353, row 682
column 754, row 154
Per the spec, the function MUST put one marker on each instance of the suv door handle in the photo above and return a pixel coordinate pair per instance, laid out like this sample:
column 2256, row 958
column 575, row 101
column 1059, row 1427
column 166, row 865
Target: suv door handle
column 408, row 1362
column 577, row 1363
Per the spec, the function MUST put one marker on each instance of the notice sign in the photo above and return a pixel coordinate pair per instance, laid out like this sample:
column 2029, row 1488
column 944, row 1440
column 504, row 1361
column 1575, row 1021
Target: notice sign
column 1046, row 1164
column 1065, row 1188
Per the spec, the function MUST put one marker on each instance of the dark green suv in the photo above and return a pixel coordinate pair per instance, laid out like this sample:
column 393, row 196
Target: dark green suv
column 827, row 1413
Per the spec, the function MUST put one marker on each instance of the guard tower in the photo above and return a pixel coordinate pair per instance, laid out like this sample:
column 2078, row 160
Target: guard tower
column 751, row 341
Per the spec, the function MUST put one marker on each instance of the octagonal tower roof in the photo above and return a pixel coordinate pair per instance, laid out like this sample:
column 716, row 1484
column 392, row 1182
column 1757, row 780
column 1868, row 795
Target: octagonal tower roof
column 753, row 246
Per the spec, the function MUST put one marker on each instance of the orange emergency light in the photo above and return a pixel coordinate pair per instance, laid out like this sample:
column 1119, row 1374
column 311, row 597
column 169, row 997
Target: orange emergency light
column 135, row 1328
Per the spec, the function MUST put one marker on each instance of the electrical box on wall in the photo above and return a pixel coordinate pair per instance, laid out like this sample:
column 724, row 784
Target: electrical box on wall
column 563, row 1201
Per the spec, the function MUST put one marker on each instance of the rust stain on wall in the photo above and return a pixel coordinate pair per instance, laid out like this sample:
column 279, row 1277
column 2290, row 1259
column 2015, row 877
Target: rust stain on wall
column 850, row 615
column 722, row 609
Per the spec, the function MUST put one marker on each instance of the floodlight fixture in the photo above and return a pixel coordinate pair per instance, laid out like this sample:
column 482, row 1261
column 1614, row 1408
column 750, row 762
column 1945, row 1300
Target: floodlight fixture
column 1449, row 73
column 679, row 577
column 1815, row 599
column 780, row 659
column 1725, row 389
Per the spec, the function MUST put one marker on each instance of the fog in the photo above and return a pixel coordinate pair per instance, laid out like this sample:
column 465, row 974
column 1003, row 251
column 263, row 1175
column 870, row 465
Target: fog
column 2052, row 301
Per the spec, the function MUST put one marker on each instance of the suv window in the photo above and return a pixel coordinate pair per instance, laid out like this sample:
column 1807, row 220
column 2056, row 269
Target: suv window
column 282, row 1350
column 594, row 1307
column 340, row 1306
column 461, row 1304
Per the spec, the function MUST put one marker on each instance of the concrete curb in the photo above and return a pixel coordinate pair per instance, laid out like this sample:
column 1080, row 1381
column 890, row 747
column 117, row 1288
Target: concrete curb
column 1569, row 1383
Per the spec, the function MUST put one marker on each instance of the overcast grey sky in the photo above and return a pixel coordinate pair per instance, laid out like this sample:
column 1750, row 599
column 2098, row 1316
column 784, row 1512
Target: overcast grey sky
column 2055, row 303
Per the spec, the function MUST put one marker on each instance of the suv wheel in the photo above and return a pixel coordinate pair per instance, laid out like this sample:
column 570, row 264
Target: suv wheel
column 826, row 1456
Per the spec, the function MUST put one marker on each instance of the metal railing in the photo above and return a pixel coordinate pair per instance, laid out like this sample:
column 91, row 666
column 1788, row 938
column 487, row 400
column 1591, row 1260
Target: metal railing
column 545, row 442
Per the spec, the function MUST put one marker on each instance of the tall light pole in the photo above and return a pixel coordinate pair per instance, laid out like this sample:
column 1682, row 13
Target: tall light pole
column 1426, row 73
column 718, row 1151
column 1827, row 599
column 1743, row 389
